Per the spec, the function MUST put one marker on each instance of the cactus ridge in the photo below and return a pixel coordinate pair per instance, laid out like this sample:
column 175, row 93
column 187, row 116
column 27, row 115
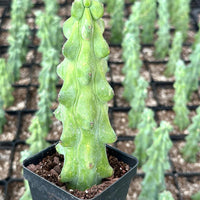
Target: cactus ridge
column 83, row 109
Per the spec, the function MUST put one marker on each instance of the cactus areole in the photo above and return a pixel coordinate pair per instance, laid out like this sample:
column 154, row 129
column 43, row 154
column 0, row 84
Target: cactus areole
column 83, row 98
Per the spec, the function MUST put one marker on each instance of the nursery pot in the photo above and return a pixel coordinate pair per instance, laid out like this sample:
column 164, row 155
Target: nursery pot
column 41, row 189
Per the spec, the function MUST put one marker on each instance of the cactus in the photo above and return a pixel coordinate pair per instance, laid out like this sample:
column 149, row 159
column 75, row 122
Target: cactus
column 146, row 128
column 51, row 7
column 18, row 38
column 179, row 12
column 154, row 180
column 5, row 85
column 191, row 147
column 148, row 18
column 174, row 54
column 49, row 31
column 162, row 43
column 193, row 71
column 82, row 100
column 2, row 117
column 196, row 196
column 38, row 134
column 110, row 5
column 197, row 38
column 117, row 22
column 131, row 40
column 180, row 97
column 48, row 77
column 37, row 143
column 165, row 195
column 131, row 52
column 44, row 111
column 138, row 102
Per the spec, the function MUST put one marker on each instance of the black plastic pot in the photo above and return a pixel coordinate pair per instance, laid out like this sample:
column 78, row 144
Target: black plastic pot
column 41, row 189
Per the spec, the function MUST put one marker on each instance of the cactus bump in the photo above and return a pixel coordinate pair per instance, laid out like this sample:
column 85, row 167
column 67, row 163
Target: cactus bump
column 83, row 98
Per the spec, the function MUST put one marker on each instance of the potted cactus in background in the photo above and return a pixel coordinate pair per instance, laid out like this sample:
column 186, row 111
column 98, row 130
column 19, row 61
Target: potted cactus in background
column 83, row 111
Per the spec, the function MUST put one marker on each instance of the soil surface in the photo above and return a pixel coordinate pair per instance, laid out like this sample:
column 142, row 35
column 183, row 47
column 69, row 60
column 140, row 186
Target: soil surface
column 51, row 166
column 10, row 128
column 15, row 190
column 136, row 187
column 188, row 186
column 16, row 164
column 178, row 161
column 5, row 156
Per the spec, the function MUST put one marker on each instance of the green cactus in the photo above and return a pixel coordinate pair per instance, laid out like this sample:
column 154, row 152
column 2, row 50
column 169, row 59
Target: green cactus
column 193, row 71
column 37, row 143
column 2, row 117
column 109, row 5
column 49, row 31
column 154, row 180
column 44, row 112
column 180, row 96
column 131, row 40
column 179, row 14
column 162, row 43
column 138, row 102
column 83, row 109
column 146, row 129
column 196, row 196
column 197, row 38
column 131, row 52
column 19, row 10
column 174, row 54
column 51, row 7
column 48, row 77
column 191, row 147
column 148, row 18
column 165, row 195
column 5, row 85
column 37, row 140
column 117, row 22
column 18, row 38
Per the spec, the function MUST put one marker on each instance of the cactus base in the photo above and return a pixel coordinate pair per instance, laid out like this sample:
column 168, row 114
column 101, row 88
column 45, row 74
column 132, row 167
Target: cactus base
column 45, row 190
